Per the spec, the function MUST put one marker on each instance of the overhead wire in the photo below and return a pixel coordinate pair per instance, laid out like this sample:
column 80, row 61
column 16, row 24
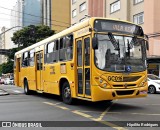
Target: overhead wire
column 34, row 15
column 32, row 20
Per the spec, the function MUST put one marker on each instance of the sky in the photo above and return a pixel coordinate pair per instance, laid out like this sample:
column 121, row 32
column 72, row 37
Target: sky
column 4, row 13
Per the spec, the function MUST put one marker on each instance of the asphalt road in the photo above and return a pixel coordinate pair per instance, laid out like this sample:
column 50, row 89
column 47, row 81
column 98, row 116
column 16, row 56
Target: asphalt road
column 16, row 106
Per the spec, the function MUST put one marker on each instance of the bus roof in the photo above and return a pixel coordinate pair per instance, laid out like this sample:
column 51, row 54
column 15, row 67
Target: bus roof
column 69, row 30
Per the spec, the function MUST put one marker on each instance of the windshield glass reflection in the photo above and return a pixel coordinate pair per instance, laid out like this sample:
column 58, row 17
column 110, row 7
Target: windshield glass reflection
column 121, row 54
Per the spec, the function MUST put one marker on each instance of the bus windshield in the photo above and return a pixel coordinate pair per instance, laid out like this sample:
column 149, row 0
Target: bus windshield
column 129, row 55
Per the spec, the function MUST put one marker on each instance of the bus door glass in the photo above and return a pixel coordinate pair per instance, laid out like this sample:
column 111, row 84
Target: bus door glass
column 83, row 66
column 39, row 68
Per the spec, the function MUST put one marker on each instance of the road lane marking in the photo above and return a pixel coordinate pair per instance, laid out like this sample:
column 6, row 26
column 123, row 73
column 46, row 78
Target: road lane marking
column 82, row 114
column 77, row 112
column 64, row 108
column 17, row 91
column 49, row 103
column 145, row 114
column 143, row 104
column 105, row 112
column 110, row 124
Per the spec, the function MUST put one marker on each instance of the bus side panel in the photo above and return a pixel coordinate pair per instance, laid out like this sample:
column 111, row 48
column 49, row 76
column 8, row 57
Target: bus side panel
column 31, row 78
column 53, row 74
column 50, row 78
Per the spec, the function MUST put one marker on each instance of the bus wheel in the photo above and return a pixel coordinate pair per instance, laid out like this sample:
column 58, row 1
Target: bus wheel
column 66, row 93
column 26, row 89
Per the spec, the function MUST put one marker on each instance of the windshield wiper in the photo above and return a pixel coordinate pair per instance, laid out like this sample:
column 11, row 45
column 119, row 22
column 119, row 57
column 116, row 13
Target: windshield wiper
column 133, row 41
column 114, row 42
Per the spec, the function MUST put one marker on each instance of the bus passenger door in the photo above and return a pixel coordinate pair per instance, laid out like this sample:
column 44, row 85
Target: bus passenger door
column 39, row 69
column 83, row 66
column 17, row 72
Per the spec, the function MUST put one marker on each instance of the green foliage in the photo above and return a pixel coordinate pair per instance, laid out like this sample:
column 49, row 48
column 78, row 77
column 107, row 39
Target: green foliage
column 31, row 34
column 6, row 67
column 24, row 38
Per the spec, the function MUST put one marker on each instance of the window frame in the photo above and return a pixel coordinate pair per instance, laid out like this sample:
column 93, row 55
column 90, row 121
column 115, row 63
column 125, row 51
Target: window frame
column 113, row 4
column 73, row 13
column 80, row 7
column 137, row 16
column 32, row 51
column 82, row 19
column 74, row 1
column 23, row 59
column 137, row 1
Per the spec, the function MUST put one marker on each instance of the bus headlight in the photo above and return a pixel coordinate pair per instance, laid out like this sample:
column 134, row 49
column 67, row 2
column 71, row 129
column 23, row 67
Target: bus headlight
column 143, row 83
column 104, row 85
column 101, row 81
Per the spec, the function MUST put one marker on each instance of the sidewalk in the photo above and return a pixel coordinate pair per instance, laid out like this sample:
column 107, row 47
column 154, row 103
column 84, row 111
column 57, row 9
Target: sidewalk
column 2, row 92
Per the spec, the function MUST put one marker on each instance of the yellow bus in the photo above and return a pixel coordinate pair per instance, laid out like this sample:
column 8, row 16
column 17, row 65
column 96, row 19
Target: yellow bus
column 95, row 60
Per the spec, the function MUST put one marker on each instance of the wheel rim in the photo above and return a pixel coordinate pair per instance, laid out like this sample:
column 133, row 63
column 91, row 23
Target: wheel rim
column 67, row 93
column 151, row 89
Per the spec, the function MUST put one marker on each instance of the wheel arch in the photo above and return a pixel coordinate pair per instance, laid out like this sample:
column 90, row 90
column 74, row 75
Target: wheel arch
column 61, row 82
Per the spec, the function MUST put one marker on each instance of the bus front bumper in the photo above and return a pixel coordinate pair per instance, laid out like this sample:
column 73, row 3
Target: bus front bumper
column 100, row 94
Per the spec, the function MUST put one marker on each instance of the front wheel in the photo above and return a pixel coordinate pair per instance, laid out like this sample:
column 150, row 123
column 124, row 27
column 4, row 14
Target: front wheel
column 152, row 89
column 26, row 88
column 66, row 93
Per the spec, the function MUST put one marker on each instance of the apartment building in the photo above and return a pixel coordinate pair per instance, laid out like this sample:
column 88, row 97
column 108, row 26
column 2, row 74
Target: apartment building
column 129, row 10
column 56, row 14
column 82, row 9
column 6, row 43
column 60, row 15
column 16, row 15
column 152, row 28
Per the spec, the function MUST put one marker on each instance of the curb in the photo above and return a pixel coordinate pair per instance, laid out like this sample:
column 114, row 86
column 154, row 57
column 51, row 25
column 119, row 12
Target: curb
column 2, row 92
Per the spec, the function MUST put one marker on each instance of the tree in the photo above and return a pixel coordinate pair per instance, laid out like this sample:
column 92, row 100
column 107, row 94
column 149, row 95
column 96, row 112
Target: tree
column 6, row 67
column 31, row 34
column 24, row 38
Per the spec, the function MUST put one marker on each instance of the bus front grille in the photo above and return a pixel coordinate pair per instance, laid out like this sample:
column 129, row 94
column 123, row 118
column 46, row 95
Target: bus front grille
column 126, row 92
column 121, row 85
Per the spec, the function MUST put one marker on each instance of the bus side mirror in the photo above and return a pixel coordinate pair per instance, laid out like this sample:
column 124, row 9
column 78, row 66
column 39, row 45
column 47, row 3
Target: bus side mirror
column 147, row 45
column 95, row 43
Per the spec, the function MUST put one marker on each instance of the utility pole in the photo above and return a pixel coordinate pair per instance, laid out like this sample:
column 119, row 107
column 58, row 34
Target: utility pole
column 9, row 29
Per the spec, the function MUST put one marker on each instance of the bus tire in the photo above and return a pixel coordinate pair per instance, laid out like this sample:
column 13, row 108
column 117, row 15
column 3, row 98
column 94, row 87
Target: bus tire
column 26, row 88
column 66, row 93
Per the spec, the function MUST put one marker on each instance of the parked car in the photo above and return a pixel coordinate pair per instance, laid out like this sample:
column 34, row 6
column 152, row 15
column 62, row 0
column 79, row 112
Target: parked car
column 153, row 83
column 1, row 81
column 8, row 81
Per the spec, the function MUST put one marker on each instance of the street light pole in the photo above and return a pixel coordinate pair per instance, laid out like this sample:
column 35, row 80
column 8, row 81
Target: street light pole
column 9, row 29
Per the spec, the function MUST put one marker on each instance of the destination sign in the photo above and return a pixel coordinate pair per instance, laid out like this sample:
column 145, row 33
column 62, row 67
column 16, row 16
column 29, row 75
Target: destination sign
column 118, row 27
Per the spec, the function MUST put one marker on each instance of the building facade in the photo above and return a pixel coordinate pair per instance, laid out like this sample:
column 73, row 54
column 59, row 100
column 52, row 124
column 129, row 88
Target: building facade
column 46, row 12
column 82, row 9
column 152, row 29
column 17, row 15
column 60, row 15
column 6, row 43
column 32, row 12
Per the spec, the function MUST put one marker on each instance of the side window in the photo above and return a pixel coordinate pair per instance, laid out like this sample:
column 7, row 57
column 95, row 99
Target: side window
column 79, row 53
column 52, row 52
column 69, row 47
column 66, row 48
column 62, row 50
column 25, row 59
column 87, row 51
column 31, row 57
